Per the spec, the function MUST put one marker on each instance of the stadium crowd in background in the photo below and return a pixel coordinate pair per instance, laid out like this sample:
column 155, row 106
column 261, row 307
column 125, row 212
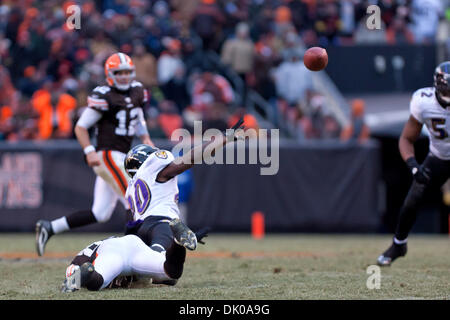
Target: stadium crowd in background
column 191, row 55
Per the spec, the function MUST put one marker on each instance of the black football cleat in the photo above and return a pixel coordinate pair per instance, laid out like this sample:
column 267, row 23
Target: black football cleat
column 395, row 251
column 182, row 235
column 44, row 231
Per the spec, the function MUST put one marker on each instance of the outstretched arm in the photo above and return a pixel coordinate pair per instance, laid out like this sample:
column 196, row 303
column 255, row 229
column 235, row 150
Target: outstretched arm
column 187, row 161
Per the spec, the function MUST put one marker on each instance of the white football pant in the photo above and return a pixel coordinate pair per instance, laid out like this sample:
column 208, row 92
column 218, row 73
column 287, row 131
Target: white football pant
column 110, row 185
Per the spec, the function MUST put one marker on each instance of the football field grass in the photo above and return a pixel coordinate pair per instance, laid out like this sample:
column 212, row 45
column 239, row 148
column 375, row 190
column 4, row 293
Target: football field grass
column 235, row 266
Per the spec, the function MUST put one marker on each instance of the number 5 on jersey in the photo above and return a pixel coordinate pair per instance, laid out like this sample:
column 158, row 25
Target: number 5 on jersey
column 439, row 128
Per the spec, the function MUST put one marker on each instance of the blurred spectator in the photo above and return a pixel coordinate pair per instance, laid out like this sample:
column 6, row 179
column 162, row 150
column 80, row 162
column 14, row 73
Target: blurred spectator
column 176, row 90
column 327, row 22
column 238, row 52
column 100, row 44
column 169, row 119
column 235, row 11
column 145, row 64
column 293, row 81
column 347, row 18
column 208, row 22
column 314, row 121
column 210, row 88
column 154, row 129
column 443, row 32
column 283, row 21
column 291, row 45
column 323, row 124
column 169, row 61
column 388, row 8
column 250, row 121
column 215, row 117
column 29, row 83
column 398, row 32
column 8, row 94
column 163, row 19
column 6, row 122
column 357, row 130
column 169, row 43
column 55, row 112
column 300, row 15
column 186, row 11
column 425, row 15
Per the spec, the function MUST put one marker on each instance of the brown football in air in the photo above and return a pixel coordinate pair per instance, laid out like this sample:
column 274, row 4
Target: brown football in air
column 315, row 58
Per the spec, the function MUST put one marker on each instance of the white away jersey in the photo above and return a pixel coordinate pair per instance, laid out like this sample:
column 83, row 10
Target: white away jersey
column 427, row 110
column 146, row 196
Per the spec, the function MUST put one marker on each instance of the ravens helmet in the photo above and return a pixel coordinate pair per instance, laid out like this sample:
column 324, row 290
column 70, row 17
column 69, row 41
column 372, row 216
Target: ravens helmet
column 136, row 157
column 442, row 81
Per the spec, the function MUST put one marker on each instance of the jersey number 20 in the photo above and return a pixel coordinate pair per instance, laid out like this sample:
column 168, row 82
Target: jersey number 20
column 142, row 196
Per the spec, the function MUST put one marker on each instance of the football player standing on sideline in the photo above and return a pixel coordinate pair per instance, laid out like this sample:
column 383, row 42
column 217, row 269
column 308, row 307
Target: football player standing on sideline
column 117, row 111
column 429, row 106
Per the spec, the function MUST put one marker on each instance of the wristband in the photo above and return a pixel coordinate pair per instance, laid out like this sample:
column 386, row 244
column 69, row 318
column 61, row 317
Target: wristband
column 88, row 149
column 412, row 164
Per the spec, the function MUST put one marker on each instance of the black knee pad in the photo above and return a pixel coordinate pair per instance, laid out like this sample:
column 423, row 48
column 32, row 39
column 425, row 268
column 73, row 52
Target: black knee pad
column 175, row 271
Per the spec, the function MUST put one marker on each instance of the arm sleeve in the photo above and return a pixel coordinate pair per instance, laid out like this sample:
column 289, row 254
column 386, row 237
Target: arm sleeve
column 88, row 118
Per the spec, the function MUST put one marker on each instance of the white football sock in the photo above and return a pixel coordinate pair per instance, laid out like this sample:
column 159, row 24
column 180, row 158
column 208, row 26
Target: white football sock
column 60, row 225
column 396, row 241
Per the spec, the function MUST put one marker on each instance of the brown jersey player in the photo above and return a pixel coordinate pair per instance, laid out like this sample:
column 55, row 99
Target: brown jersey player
column 116, row 110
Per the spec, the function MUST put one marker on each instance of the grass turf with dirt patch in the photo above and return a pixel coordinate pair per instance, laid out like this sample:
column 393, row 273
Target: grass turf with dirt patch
column 287, row 267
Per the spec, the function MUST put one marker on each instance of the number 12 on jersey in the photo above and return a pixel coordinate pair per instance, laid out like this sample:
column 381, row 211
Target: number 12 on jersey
column 125, row 126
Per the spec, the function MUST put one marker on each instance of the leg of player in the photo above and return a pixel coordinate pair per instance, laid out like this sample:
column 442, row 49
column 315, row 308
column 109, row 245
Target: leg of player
column 439, row 172
column 146, row 262
column 105, row 199
column 156, row 233
column 176, row 253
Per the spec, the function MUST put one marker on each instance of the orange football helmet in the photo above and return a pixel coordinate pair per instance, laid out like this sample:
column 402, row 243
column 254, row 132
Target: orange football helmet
column 118, row 62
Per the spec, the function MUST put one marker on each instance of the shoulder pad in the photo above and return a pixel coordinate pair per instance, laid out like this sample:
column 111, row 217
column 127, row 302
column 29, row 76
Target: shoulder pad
column 101, row 89
column 424, row 92
column 136, row 83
